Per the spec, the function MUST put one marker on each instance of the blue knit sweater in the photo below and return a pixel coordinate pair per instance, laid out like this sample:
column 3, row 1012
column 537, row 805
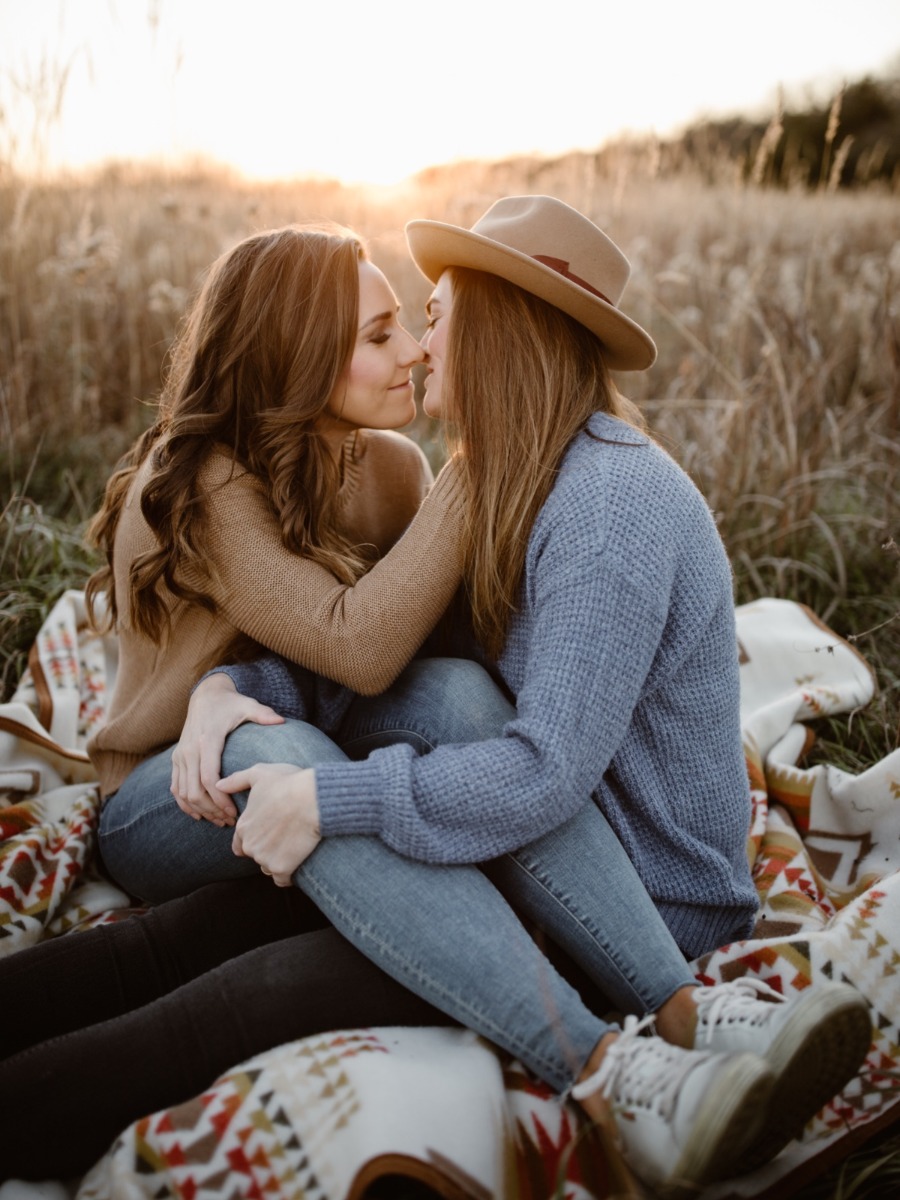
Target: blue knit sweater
column 623, row 663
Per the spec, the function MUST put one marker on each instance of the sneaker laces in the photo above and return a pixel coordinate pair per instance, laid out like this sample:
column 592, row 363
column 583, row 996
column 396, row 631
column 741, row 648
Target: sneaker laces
column 727, row 1002
column 655, row 1085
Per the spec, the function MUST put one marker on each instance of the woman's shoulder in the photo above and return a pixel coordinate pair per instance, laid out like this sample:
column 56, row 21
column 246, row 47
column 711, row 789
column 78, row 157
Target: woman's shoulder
column 605, row 429
column 616, row 455
column 617, row 482
column 217, row 470
column 220, row 468
column 622, row 497
column 609, row 456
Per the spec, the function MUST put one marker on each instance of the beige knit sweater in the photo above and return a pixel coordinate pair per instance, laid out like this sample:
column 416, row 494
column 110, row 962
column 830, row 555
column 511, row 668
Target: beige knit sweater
column 361, row 636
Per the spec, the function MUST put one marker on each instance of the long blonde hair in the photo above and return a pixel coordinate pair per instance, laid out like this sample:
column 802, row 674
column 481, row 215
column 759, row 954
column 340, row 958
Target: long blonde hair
column 257, row 359
column 521, row 379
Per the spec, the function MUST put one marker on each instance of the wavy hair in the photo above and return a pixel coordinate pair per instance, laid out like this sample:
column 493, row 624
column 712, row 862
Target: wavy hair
column 257, row 358
column 521, row 378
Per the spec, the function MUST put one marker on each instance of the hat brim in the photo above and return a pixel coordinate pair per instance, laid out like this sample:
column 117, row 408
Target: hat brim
column 435, row 246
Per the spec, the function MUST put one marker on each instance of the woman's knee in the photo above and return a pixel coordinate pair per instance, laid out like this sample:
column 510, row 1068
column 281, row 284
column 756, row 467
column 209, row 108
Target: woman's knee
column 468, row 705
column 294, row 742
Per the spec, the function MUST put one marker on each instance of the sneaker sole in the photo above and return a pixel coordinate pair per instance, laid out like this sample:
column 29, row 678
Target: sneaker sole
column 813, row 1059
column 729, row 1119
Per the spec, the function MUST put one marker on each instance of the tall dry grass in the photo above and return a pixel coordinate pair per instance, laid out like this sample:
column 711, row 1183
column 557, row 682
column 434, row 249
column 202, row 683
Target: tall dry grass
column 775, row 313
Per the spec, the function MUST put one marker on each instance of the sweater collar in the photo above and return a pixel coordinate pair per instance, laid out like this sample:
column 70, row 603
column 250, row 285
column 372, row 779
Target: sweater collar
column 612, row 429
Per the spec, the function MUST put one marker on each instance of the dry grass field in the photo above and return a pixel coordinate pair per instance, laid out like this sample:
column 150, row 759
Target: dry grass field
column 776, row 312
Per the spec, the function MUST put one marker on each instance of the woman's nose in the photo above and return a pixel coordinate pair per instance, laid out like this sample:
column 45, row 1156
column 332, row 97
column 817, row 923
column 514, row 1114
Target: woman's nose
column 417, row 352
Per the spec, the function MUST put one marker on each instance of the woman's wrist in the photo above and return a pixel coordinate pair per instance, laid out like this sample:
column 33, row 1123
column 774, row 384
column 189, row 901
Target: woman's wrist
column 216, row 680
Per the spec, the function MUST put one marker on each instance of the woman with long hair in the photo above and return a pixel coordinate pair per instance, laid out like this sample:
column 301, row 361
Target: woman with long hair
column 251, row 511
column 600, row 594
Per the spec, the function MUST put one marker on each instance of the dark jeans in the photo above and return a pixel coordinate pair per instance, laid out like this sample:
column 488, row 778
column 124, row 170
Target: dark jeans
column 146, row 1013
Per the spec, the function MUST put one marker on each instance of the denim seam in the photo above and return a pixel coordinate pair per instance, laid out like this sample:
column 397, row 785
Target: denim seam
column 377, row 731
column 136, row 818
column 611, row 953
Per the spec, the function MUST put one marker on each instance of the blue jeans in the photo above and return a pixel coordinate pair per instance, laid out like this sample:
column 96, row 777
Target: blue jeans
column 445, row 932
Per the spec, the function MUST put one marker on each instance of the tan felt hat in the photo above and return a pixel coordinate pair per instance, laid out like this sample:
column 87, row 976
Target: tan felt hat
column 552, row 251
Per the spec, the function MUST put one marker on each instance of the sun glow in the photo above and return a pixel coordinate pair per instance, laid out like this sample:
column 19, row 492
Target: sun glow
column 379, row 91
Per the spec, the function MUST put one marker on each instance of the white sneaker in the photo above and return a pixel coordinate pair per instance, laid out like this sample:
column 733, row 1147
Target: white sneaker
column 814, row 1044
column 682, row 1116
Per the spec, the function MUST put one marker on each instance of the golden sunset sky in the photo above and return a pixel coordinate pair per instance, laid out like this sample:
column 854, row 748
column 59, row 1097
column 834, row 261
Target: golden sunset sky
column 373, row 91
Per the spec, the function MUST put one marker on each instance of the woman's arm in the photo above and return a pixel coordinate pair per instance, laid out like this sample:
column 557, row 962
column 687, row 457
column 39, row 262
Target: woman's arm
column 361, row 636
column 270, row 681
column 580, row 686
column 467, row 803
column 386, row 479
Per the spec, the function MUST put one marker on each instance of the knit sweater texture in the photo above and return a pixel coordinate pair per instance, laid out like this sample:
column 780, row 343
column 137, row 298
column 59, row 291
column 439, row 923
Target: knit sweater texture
column 622, row 658
column 361, row 636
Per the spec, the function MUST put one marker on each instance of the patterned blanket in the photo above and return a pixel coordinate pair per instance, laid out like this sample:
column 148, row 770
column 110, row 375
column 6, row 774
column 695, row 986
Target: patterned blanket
column 323, row 1118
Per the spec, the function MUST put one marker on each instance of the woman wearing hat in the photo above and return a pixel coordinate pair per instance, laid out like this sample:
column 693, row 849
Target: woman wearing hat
column 612, row 799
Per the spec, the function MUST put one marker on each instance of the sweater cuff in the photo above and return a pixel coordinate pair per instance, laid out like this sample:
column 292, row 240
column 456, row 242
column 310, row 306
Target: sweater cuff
column 718, row 925
column 348, row 795
column 286, row 688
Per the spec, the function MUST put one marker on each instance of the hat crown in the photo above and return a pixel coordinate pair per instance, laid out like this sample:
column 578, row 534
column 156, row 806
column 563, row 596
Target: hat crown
column 553, row 233
column 546, row 248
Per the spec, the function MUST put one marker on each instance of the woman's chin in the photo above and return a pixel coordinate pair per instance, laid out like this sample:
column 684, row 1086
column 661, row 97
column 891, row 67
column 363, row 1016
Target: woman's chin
column 411, row 415
column 398, row 418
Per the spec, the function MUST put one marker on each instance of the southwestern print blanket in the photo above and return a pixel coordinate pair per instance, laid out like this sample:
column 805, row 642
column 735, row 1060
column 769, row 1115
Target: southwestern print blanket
column 324, row 1117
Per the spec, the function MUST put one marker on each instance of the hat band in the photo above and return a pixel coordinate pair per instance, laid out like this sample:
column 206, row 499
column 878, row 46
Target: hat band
column 562, row 268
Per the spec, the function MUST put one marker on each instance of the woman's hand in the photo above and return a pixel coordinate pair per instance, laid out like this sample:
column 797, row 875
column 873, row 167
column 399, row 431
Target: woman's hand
column 215, row 709
column 279, row 828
